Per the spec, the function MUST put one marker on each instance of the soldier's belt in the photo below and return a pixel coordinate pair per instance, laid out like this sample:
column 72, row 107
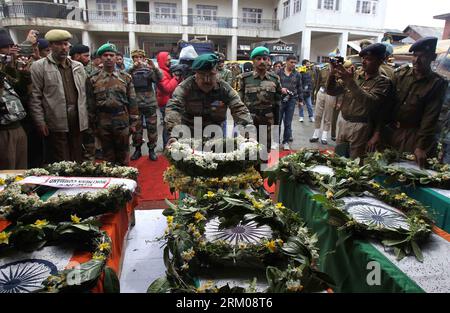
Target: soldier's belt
column 356, row 119
column 111, row 110
column 403, row 125
column 260, row 111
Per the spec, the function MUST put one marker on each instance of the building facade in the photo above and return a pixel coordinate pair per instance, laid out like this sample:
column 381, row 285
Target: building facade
column 315, row 26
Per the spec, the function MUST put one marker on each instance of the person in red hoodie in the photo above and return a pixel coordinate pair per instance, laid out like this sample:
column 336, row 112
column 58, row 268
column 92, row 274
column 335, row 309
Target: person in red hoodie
column 166, row 86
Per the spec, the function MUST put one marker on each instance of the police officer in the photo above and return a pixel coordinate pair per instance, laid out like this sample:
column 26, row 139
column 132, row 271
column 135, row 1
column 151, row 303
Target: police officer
column 204, row 95
column 144, row 75
column 112, row 106
column 260, row 90
column 365, row 92
column 419, row 95
column 224, row 73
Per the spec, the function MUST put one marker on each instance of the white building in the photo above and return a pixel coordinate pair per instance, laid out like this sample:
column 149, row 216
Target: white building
column 317, row 26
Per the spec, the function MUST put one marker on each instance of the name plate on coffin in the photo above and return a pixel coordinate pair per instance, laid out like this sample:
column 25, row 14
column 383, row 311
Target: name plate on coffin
column 61, row 182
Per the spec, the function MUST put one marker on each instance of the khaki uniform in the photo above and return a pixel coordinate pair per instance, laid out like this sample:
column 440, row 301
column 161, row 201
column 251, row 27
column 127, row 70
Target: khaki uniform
column 262, row 96
column 113, row 110
column 361, row 104
column 188, row 101
column 414, row 118
column 325, row 103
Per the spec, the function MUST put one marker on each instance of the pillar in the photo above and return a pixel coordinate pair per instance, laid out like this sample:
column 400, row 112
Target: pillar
column 86, row 38
column 343, row 40
column 235, row 13
column 234, row 46
column 185, row 37
column 132, row 40
column 131, row 11
column 184, row 12
column 13, row 34
column 305, row 50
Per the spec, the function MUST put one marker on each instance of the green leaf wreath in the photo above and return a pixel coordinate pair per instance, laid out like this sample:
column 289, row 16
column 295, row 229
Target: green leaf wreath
column 288, row 259
column 351, row 179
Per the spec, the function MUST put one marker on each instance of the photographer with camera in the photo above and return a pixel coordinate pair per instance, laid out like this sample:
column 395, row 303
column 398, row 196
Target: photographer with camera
column 13, row 139
column 144, row 75
column 166, row 86
column 365, row 92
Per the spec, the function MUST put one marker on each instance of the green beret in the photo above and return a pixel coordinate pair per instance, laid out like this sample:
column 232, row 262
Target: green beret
column 107, row 47
column 58, row 35
column 259, row 51
column 205, row 62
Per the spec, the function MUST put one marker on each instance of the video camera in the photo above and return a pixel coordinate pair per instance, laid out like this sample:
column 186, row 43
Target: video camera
column 287, row 96
column 5, row 59
column 337, row 60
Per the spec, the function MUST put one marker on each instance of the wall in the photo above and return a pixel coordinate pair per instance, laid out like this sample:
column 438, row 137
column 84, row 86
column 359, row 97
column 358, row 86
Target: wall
column 446, row 34
column 321, row 46
column 267, row 6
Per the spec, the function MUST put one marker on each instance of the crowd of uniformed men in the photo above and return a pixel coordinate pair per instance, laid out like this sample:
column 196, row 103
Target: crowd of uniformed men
column 54, row 107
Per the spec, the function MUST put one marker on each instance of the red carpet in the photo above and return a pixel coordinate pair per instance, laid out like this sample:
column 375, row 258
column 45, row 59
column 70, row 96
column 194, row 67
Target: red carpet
column 150, row 180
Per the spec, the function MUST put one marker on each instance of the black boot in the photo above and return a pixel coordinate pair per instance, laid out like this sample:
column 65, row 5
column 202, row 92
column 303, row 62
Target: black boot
column 137, row 154
column 152, row 155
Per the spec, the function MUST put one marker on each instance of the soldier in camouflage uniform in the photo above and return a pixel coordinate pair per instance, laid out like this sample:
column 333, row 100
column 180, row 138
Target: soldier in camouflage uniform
column 260, row 90
column 112, row 107
column 224, row 73
column 203, row 95
column 144, row 76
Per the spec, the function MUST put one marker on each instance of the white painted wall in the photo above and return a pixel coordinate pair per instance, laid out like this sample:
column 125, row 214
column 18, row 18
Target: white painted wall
column 267, row 6
column 224, row 7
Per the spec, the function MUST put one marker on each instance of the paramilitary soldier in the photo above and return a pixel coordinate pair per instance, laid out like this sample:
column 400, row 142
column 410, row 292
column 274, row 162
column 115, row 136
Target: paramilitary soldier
column 260, row 90
column 204, row 95
column 111, row 102
column 419, row 95
column 144, row 75
column 365, row 93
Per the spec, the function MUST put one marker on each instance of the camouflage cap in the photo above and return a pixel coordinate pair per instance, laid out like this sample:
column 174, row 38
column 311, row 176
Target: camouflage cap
column 259, row 51
column 107, row 47
column 58, row 35
column 138, row 52
column 205, row 62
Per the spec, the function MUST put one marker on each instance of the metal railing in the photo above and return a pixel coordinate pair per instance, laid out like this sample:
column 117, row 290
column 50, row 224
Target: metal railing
column 33, row 9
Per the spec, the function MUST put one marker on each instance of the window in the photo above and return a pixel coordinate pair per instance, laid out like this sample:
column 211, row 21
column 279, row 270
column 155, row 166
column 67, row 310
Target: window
column 206, row 12
column 165, row 10
column 366, row 7
column 297, row 6
column 107, row 7
column 286, row 7
column 332, row 5
column 252, row 16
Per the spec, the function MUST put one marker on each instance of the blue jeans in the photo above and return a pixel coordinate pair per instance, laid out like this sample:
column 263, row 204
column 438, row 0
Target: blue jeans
column 286, row 115
column 308, row 102
column 165, row 133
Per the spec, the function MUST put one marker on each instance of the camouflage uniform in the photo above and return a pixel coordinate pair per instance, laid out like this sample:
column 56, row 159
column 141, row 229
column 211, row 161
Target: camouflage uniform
column 188, row 101
column 113, row 110
column 262, row 96
column 226, row 75
column 90, row 68
column 89, row 134
column 146, row 101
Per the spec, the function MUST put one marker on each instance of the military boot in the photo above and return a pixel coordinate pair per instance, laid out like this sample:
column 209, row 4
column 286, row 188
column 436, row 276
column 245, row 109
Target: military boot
column 152, row 155
column 137, row 154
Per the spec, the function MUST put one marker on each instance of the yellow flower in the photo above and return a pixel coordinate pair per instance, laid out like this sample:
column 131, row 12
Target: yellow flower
column 210, row 195
column 279, row 242
column 98, row 257
column 257, row 204
column 75, row 219
column 104, row 246
column 271, row 245
column 199, row 217
column 2, row 181
column 280, row 206
column 329, row 194
column 400, row 196
column 4, row 237
column 40, row 223
column 169, row 219
column 18, row 178
column 375, row 185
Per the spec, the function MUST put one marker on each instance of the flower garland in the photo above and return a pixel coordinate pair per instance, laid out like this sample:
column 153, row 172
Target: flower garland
column 288, row 256
column 382, row 165
column 85, row 169
column 184, row 156
column 19, row 205
column 177, row 180
column 84, row 233
column 350, row 179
